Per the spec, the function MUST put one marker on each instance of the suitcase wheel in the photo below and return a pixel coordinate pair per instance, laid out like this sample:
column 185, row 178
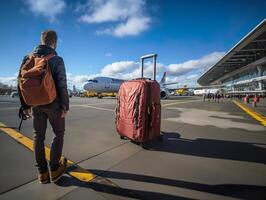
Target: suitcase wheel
column 122, row 137
column 144, row 146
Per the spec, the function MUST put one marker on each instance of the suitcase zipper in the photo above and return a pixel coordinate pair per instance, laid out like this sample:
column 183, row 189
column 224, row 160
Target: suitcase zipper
column 136, row 115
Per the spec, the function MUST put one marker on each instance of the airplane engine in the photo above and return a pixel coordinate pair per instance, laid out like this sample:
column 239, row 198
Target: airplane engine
column 164, row 94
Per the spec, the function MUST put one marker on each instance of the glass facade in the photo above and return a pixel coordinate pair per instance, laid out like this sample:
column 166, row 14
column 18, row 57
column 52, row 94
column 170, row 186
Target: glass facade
column 247, row 80
column 264, row 84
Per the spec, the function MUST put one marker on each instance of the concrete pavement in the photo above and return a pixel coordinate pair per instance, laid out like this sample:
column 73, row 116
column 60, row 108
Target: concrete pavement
column 210, row 151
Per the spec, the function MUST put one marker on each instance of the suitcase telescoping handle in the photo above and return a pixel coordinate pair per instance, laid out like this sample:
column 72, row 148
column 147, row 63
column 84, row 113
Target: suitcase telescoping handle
column 142, row 58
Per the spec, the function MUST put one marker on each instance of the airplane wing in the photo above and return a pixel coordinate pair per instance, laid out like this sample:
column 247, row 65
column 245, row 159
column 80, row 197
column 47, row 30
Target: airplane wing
column 172, row 83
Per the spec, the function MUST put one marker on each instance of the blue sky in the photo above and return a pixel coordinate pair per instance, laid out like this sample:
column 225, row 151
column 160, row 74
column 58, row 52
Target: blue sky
column 100, row 37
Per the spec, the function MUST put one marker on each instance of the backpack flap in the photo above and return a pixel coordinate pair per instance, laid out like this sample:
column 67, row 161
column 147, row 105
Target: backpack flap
column 36, row 82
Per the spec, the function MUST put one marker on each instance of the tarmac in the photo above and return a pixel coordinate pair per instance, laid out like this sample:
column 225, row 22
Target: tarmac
column 210, row 150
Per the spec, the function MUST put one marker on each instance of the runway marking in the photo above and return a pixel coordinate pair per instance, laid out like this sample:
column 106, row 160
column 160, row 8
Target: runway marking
column 252, row 113
column 98, row 108
column 179, row 102
column 95, row 104
column 73, row 170
column 112, row 110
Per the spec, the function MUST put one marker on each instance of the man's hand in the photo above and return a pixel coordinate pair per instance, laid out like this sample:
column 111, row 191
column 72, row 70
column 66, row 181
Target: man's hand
column 28, row 112
column 64, row 113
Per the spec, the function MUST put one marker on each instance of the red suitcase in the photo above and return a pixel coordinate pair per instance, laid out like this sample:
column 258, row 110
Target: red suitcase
column 138, row 111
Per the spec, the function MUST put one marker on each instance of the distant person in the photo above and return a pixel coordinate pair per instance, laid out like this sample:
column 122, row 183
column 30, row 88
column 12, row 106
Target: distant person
column 208, row 97
column 218, row 97
column 215, row 97
column 55, row 111
column 256, row 100
column 204, row 97
column 247, row 99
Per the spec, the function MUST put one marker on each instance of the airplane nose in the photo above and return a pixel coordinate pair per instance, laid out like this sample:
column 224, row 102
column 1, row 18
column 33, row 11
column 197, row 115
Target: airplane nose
column 88, row 86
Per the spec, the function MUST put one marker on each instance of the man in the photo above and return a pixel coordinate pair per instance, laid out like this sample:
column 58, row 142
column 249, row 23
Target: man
column 55, row 112
column 204, row 97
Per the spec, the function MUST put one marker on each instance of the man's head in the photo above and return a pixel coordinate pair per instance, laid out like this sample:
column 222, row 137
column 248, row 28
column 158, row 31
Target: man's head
column 49, row 38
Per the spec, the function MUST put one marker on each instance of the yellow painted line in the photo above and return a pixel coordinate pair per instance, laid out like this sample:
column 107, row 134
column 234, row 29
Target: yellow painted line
column 179, row 102
column 97, row 108
column 252, row 113
column 75, row 170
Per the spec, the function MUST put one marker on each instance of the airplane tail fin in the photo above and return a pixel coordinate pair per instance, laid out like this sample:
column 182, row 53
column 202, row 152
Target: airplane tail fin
column 163, row 78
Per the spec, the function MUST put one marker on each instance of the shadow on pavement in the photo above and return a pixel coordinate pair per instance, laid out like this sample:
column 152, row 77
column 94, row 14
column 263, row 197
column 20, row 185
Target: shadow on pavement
column 248, row 192
column 105, row 186
column 251, row 192
column 239, row 151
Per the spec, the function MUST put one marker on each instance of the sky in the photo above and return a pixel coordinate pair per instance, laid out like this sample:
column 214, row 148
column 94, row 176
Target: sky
column 107, row 37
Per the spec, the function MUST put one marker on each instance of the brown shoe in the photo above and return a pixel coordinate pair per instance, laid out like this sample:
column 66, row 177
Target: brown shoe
column 43, row 177
column 57, row 174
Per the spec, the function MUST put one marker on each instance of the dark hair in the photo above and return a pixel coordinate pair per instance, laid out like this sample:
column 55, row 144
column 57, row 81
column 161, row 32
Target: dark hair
column 49, row 37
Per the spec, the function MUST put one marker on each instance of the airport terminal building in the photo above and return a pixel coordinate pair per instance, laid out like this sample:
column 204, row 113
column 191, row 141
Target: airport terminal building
column 242, row 70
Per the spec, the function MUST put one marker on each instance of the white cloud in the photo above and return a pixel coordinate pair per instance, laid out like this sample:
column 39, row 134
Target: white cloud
column 111, row 10
column 200, row 64
column 188, row 72
column 122, row 70
column 185, row 73
column 148, row 71
column 128, row 16
column 117, row 67
column 47, row 8
column 129, row 69
column 188, row 80
column 10, row 80
column 133, row 26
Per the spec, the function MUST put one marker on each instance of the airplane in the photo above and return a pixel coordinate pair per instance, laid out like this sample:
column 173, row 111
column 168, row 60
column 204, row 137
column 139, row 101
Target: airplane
column 111, row 85
column 211, row 89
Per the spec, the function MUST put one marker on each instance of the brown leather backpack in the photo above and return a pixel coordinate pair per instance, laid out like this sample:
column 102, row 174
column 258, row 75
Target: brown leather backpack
column 36, row 82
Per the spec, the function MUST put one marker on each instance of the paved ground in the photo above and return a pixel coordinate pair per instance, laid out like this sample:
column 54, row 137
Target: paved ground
column 210, row 151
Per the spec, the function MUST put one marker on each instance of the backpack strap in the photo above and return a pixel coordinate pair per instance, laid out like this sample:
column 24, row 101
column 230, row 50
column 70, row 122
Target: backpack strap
column 49, row 56
column 31, row 55
column 22, row 117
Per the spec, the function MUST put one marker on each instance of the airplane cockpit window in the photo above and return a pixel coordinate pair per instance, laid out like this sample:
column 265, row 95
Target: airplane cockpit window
column 93, row 81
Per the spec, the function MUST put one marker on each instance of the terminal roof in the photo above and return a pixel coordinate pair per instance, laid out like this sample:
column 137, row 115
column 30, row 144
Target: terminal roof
column 248, row 50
